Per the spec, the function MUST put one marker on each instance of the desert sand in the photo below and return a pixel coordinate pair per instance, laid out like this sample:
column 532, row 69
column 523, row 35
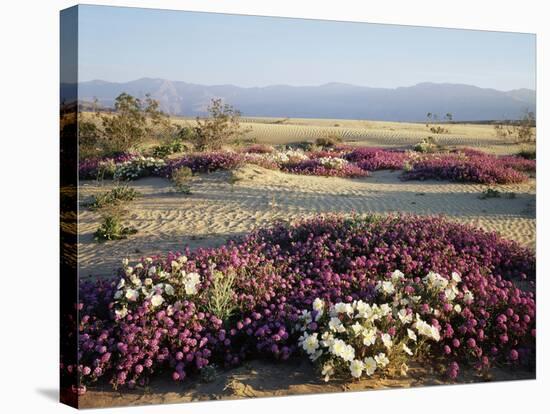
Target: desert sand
column 218, row 210
column 259, row 379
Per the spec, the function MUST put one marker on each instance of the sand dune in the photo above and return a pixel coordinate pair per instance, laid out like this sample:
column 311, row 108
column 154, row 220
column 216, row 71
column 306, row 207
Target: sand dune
column 372, row 133
column 217, row 210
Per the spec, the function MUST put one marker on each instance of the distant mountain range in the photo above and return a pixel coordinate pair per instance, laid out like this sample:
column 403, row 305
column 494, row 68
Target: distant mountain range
column 332, row 100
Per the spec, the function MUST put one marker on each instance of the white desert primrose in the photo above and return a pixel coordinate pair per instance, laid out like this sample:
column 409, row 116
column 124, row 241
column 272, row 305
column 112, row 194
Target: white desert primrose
column 367, row 336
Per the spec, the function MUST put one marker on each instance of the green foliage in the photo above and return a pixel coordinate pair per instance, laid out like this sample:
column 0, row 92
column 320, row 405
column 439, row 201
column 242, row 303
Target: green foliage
column 221, row 127
column 181, row 179
column 113, row 197
column 112, row 229
column 125, row 128
column 220, row 296
column 527, row 153
column 427, row 145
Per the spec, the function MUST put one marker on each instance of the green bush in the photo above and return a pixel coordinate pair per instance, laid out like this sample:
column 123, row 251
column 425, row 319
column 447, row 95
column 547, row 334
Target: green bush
column 112, row 229
column 113, row 197
column 181, row 179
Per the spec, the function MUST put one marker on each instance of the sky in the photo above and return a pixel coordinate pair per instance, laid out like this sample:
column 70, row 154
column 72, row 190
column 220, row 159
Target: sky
column 123, row 44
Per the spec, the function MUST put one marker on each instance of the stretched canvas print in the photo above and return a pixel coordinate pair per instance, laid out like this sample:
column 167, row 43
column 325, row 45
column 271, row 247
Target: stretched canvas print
column 263, row 206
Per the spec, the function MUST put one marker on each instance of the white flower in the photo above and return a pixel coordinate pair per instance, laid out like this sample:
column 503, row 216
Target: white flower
column 369, row 337
column 118, row 294
column 411, row 334
column 357, row 328
column 404, row 316
column 310, row 343
column 163, row 274
column 385, row 309
column 387, row 341
column 157, row 300
column 120, row 284
column 386, row 287
column 327, row 371
column 169, row 289
column 148, row 260
column 456, row 277
column 182, row 259
column 148, row 281
column 370, row 366
column 121, row 313
column 336, row 325
column 327, row 339
column 125, row 262
column 356, row 368
column 348, row 353
column 139, row 266
column 191, row 282
column 136, row 281
column 152, row 270
column 363, row 309
column 131, row 295
column 128, row 270
column 450, row 293
column 468, row 297
column 174, row 265
column 342, row 308
column 407, row 349
column 381, row 359
column 318, row 306
column 397, row 275
column 458, row 308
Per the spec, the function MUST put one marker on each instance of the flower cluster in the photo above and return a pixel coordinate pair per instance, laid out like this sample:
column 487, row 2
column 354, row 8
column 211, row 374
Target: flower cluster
column 158, row 316
column 467, row 167
column 328, row 167
column 361, row 338
column 138, row 167
column 374, row 159
column 206, row 162
column 91, row 168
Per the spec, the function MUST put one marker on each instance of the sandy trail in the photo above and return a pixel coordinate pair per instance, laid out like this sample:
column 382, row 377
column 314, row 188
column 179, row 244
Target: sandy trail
column 258, row 379
column 217, row 210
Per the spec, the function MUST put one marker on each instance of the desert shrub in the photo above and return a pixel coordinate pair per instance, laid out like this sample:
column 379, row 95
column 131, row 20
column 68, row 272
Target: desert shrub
column 490, row 193
column 527, row 153
column 169, row 148
column 329, row 141
column 181, row 179
column 113, row 197
column 221, row 127
column 438, row 130
column 131, row 122
column 221, row 297
column 259, row 149
column 427, row 145
column 153, row 318
column 522, row 131
column 111, row 228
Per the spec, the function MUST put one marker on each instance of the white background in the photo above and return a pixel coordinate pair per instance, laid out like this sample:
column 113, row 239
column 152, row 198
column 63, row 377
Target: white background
column 29, row 201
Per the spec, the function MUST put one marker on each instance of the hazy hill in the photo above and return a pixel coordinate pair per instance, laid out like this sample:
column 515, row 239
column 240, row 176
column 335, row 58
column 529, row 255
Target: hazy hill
column 332, row 100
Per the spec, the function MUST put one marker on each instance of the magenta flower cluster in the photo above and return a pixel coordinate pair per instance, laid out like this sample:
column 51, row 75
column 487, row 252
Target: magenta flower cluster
column 464, row 165
column 374, row 159
column 470, row 166
column 88, row 169
column 282, row 269
column 316, row 167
